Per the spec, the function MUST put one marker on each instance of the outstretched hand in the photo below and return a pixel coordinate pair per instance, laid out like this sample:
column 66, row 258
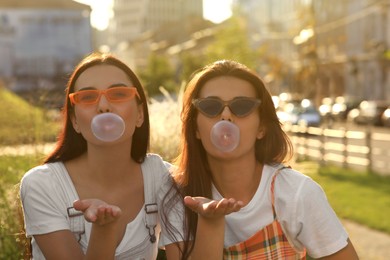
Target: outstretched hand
column 212, row 208
column 98, row 211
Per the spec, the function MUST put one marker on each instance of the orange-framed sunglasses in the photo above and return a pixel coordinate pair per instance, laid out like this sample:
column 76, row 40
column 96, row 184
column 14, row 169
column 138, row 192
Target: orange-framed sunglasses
column 92, row 96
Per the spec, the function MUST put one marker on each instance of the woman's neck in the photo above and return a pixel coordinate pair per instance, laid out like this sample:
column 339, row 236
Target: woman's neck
column 106, row 163
column 238, row 178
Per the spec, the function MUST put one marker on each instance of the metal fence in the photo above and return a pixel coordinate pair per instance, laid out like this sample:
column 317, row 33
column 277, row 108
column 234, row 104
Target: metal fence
column 362, row 150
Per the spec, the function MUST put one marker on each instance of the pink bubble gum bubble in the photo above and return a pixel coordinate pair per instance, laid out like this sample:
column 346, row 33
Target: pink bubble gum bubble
column 107, row 127
column 225, row 136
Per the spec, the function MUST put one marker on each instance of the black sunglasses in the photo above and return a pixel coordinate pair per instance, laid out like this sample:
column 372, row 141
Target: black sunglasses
column 213, row 106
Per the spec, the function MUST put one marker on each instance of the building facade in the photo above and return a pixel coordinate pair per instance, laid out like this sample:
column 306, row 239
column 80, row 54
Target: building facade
column 330, row 48
column 132, row 18
column 41, row 42
column 137, row 28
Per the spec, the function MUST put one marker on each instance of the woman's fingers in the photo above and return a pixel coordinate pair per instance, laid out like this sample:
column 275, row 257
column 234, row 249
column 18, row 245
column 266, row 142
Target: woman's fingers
column 212, row 208
column 107, row 214
column 97, row 211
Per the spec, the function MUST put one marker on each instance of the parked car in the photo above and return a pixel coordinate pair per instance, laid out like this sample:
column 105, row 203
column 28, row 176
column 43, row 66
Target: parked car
column 369, row 112
column 326, row 107
column 337, row 109
column 302, row 113
column 325, row 110
column 386, row 117
column 342, row 105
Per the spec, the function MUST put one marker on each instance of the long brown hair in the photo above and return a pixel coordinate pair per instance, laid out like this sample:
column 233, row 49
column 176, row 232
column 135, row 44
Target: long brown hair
column 193, row 176
column 71, row 144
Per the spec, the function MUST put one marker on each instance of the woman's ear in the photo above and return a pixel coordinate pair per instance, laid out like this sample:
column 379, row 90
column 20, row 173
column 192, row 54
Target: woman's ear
column 74, row 123
column 197, row 134
column 140, row 118
column 260, row 133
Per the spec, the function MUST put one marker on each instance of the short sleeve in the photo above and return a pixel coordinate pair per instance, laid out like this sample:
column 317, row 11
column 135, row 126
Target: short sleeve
column 44, row 209
column 311, row 222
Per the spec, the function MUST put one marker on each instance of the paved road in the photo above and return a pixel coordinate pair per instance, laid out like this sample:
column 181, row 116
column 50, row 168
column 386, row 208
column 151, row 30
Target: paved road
column 369, row 244
column 26, row 149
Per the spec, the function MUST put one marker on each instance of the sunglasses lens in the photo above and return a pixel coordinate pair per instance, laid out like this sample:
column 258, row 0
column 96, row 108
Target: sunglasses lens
column 120, row 94
column 242, row 107
column 210, row 107
column 86, row 96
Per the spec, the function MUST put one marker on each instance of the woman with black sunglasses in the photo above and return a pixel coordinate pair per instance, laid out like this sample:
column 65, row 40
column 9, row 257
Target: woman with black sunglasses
column 241, row 201
column 98, row 194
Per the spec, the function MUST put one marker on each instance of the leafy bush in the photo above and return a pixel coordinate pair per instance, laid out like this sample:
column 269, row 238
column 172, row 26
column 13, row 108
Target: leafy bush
column 158, row 72
column 22, row 123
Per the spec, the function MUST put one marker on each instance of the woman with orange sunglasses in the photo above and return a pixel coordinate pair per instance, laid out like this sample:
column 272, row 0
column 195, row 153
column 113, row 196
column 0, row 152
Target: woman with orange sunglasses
column 98, row 194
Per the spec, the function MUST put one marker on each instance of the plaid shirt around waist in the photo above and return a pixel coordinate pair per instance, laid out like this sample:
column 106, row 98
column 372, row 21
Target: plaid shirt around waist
column 268, row 243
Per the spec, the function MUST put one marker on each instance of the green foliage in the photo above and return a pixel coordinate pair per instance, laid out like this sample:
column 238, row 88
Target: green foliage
column 157, row 73
column 359, row 196
column 22, row 123
column 231, row 42
column 9, row 226
column 12, row 238
column 190, row 64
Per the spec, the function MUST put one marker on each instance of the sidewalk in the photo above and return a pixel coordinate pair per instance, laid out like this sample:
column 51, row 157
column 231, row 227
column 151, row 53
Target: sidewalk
column 26, row 149
column 369, row 244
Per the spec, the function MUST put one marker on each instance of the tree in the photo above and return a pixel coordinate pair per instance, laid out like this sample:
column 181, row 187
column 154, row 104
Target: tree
column 189, row 64
column 158, row 73
column 231, row 42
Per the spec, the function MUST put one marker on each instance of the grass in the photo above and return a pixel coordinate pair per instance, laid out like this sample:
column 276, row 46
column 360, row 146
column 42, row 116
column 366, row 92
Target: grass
column 21, row 123
column 164, row 127
column 362, row 197
column 359, row 196
column 12, row 238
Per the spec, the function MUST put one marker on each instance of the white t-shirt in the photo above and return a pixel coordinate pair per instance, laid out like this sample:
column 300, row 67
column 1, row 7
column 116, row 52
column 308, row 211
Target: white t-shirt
column 302, row 209
column 47, row 191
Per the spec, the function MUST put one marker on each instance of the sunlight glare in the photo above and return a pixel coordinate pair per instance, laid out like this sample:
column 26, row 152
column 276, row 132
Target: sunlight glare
column 100, row 14
column 217, row 10
column 213, row 10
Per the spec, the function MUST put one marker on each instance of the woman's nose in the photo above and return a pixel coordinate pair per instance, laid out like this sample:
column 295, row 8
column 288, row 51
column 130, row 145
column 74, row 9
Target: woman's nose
column 103, row 105
column 226, row 114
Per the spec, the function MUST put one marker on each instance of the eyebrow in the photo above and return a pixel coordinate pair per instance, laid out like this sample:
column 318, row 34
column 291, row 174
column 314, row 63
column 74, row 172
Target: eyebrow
column 236, row 97
column 111, row 86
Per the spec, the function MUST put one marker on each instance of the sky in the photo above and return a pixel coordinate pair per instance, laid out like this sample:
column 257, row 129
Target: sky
column 214, row 10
